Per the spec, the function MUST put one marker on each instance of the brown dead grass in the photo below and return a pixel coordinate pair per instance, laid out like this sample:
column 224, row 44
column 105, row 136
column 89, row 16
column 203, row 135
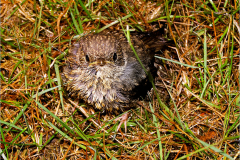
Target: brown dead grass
column 203, row 102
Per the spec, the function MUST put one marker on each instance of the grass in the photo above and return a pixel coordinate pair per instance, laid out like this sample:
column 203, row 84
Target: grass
column 193, row 113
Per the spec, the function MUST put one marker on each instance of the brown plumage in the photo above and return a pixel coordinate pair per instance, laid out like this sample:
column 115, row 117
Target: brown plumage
column 103, row 70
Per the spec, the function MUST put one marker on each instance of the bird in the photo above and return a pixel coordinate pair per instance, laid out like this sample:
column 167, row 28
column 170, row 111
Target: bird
column 102, row 69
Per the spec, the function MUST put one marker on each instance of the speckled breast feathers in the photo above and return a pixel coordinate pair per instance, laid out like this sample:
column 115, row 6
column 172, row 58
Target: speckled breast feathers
column 103, row 71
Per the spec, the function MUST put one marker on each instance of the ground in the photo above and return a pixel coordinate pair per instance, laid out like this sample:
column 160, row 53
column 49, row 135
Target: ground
column 192, row 111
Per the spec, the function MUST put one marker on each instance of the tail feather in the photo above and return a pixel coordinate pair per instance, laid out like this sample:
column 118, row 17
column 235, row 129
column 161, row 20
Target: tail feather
column 155, row 40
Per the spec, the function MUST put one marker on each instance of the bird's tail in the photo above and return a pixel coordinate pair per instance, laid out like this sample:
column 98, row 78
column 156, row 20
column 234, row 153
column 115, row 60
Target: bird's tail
column 155, row 40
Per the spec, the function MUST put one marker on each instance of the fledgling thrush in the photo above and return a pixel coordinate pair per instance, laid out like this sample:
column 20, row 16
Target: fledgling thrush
column 103, row 70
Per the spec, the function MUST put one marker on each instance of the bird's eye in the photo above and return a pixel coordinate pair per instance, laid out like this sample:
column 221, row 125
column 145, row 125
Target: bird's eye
column 87, row 58
column 115, row 56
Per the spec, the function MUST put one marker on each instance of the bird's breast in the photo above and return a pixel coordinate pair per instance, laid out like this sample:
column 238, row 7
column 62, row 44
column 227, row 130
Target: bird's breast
column 100, row 88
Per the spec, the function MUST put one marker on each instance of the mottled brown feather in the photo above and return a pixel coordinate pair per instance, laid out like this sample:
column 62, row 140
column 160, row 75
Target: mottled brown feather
column 103, row 70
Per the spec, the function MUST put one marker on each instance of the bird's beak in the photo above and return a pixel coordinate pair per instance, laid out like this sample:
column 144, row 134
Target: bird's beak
column 100, row 62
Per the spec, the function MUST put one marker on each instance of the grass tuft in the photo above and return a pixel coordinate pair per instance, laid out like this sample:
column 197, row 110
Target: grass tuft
column 194, row 112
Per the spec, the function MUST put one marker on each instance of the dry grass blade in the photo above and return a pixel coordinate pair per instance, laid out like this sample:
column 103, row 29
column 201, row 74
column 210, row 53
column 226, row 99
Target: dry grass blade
column 193, row 112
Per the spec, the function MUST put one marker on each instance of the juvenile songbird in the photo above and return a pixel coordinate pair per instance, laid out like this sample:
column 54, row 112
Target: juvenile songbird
column 103, row 70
